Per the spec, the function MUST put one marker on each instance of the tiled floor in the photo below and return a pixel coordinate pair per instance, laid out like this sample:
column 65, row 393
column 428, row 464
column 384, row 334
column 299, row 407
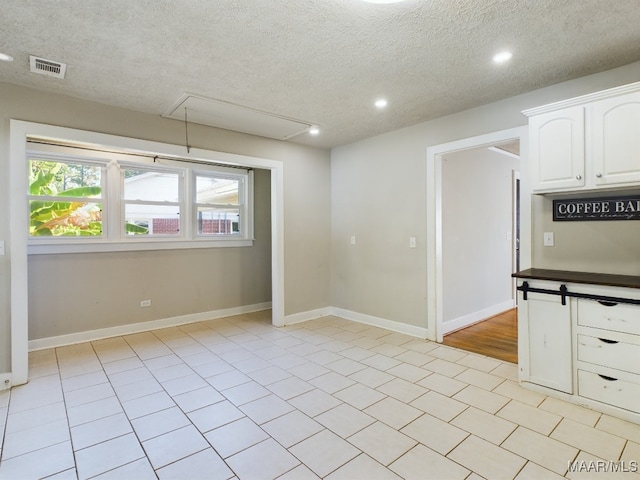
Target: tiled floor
column 238, row 398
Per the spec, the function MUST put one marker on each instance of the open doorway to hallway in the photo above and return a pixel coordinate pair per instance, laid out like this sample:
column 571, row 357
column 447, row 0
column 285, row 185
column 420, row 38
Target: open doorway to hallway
column 495, row 337
column 480, row 248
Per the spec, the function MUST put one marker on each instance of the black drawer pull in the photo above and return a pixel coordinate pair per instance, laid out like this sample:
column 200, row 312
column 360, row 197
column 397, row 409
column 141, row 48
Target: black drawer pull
column 607, row 304
column 606, row 340
column 608, row 379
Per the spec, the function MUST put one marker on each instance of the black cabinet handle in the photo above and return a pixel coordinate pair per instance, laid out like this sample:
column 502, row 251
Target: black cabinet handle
column 606, row 340
column 607, row 304
column 608, row 379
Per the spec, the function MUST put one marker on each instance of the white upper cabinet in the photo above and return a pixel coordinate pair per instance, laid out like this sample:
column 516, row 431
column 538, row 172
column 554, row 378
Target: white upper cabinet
column 557, row 142
column 587, row 143
column 616, row 140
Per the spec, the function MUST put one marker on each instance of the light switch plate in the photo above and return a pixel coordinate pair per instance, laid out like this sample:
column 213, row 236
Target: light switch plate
column 1, row 247
column 548, row 239
column 353, row 239
column 412, row 242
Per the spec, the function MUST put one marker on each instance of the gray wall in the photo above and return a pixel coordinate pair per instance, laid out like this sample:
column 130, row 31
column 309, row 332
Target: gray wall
column 605, row 247
column 72, row 293
column 477, row 215
column 379, row 194
column 374, row 189
column 306, row 195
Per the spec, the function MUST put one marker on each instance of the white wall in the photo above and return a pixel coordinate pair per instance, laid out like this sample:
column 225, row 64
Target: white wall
column 379, row 194
column 477, row 221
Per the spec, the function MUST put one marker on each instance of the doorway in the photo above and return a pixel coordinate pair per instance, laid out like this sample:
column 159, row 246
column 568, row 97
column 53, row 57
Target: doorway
column 477, row 235
column 490, row 331
column 438, row 287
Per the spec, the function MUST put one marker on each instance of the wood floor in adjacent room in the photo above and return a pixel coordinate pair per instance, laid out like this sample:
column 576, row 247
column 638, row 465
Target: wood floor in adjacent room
column 496, row 337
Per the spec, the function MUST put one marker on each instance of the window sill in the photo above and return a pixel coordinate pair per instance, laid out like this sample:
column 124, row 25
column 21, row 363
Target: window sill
column 127, row 246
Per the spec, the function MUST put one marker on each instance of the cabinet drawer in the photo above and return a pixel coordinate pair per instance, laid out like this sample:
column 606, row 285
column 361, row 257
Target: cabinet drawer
column 619, row 317
column 609, row 390
column 606, row 352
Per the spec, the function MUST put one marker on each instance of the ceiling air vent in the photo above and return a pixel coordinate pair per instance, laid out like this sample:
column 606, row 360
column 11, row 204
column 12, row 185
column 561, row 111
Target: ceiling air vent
column 47, row 67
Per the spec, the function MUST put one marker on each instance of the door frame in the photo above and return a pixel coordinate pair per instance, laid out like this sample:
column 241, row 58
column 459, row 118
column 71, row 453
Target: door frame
column 19, row 218
column 516, row 187
column 434, row 214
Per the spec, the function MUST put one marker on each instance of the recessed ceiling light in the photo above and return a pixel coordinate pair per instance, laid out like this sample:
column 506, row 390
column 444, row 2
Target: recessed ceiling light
column 314, row 131
column 5, row 57
column 502, row 57
column 381, row 103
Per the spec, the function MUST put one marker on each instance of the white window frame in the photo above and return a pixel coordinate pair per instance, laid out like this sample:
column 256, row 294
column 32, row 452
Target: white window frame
column 182, row 204
column 245, row 201
column 76, row 160
column 114, row 236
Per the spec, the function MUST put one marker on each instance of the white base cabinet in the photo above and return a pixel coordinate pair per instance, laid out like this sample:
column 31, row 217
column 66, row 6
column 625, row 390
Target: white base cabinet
column 544, row 326
column 586, row 351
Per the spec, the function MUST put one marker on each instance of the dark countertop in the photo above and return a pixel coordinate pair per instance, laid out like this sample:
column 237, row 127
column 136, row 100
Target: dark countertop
column 627, row 281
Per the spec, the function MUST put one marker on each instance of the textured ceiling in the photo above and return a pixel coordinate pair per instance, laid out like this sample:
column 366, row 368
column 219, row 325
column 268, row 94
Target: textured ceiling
column 319, row 61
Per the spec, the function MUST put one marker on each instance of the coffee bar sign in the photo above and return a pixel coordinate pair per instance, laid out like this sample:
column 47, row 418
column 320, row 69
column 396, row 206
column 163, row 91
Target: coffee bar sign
column 597, row 209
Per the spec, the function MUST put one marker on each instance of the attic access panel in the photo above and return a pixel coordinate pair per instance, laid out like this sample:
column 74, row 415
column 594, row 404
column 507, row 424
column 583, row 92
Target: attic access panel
column 217, row 113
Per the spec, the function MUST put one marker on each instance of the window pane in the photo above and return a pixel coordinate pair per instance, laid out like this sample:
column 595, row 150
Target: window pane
column 64, row 179
column 70, row 219
column 148, row 185
column 217, row 221
column 220, row 191
column 152, row 220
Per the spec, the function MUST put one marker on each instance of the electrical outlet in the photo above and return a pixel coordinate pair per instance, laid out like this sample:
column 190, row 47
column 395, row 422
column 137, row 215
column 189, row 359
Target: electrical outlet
column 145, row 303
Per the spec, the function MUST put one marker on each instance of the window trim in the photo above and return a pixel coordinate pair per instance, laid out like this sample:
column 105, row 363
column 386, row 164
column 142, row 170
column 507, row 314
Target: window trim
column 182, row 204
column 80, row 160
column 245, row 202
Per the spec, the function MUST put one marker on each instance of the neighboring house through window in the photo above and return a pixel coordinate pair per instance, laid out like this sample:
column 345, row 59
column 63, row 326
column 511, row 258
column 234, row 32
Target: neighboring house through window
column 80, row 197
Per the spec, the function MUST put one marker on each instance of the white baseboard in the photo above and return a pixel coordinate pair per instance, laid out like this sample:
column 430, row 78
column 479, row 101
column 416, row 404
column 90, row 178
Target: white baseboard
column 357, row 317
column 475, row 317
column 92, row 335
column 5, row 381
column 305, row 316
column 392, row 325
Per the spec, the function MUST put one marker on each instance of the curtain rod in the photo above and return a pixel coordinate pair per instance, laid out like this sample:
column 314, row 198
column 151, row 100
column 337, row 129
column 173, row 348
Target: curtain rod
column 145, row 155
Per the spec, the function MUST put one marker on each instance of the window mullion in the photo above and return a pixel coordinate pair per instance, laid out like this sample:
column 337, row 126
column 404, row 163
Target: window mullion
column 113, row 202
column 246, row 215
column 185, row 188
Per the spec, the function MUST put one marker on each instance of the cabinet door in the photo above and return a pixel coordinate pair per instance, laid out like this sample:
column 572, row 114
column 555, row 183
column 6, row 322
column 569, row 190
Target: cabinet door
column 616, row 139
column 557, row 149
column 548, row 333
